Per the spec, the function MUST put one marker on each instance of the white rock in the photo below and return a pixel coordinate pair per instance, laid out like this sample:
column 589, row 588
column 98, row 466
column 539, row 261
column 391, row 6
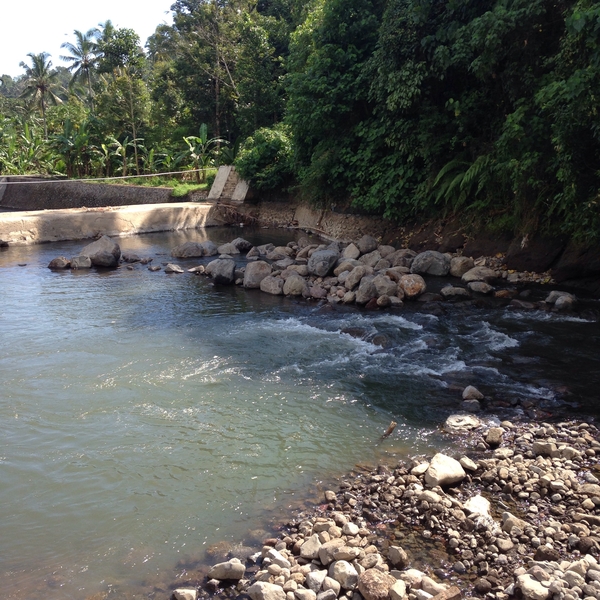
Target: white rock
column 185, row 594
column 460, row 423
column 277, row 558
column 344, row 573
column 432, row 587
column 413, row 578
column 232, row 569
column 444, row 470
column 304, row 594
column 472, row 393
column 350, row 529
column 310, row 548
column 262, row 590
column 314, row 580
column 478, row 505
column 398, row 590
column 419, row 469
column 531, row 588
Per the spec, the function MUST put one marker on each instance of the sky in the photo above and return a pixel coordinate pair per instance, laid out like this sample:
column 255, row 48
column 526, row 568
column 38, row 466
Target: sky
column 42, row 26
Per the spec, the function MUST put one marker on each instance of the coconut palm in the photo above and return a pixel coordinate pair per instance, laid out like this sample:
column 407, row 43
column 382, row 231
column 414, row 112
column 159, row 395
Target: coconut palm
column 83, row 56
column 39, row 83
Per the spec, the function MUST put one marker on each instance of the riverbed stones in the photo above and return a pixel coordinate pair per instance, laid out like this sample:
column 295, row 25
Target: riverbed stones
column 459, row 265
column 310, row 548
column 222, row 270
column 263, row 590
column 185, row 594
column 103, row 252
column 296, row 286
column 431, row 262
column 366, row 244
column 173, row 268
column 461, row 423
column 344, row 573
column 479, row 274
column 188, row 250
column 229, row 248
column 398, row 557
column 255, row 273
column 366, row 290
column 444, row 470
column 374, row 584
column 351, row 251
column 472, row 393
column 81, row 262
column 321, row 262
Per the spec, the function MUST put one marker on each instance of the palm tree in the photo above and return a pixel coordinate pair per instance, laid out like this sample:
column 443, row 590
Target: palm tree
column 83, row 58
column 39, row 81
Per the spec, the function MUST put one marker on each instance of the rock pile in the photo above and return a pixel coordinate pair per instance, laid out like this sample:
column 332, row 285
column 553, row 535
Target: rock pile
column 517, row 514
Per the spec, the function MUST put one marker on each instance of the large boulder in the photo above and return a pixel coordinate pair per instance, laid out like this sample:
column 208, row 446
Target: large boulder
column 222, row 270
column 412, row 285
column 81, row 262
column 103, row 252
column 322, row 262
column 295, row 286
column 385, row 286
column 255, row 273
column 188, row 250
column 366, row 290
column 444, row 470
column 431, row 262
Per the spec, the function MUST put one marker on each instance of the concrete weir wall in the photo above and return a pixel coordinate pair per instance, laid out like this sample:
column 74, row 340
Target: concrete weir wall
column 36, row 227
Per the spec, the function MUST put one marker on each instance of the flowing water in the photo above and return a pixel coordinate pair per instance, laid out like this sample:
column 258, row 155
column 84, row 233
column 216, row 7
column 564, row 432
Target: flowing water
column 145, row 416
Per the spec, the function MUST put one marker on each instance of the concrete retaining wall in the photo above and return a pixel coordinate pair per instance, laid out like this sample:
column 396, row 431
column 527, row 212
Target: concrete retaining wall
column 58, row 194
column 36, row 227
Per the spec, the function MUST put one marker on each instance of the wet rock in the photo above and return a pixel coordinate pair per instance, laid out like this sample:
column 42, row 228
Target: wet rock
column 209, row 248
column 232, row 569
column 81, row 262
column 103, row 252
column 374, row 584
column 173, row 268
column 188, row 250
column 130, row 257
column 61, row 262
column 222, row 270
column 480, row 287
column 431, row 262
column 470, row 406
column 444, row 470
column 461, row 423
column 185, row 594
column 255, row 273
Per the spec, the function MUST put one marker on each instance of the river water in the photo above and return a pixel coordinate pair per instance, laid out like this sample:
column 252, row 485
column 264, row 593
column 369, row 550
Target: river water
column 145, row 417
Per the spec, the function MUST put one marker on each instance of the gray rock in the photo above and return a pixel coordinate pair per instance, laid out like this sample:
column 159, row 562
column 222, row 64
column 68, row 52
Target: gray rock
column 366, row 290
column 351, row 251
column 241, row 244
column 173, row 268
column 401, row 258
column 130, row 257
column 255, row 273
column 354, row 277
column 480, row 287
column 188, row 250
column 494, row 436
column 314, row 580
column 444, row 470
column 310, row 548
column 296, row 286
column 265, row 249
column 61, row 262
column 81, row 262
column 229, row 249
column 253, row 253
column 327, row 595
column 331, row 585
column 479, row 274
column 450, row 291
column 555, row 295
column 565, row 302
column 303, row 594
column 398, row 557
column 103, row 252
column 232, row 569
column 385, row 250
column 272, row 285
column 431, row 262
column 209, row 248
column 385, row 286
column 471, row 406
column 322, row 262
column 531, row 588
column 459, row 265
column 262, row 590
column 278, row 559
column 222, row 270
column 326, row 550
column 370, row 259
column 398, row 590
column 367, row 244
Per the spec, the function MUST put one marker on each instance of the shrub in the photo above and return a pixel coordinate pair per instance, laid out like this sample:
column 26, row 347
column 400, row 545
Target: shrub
column 265, row 159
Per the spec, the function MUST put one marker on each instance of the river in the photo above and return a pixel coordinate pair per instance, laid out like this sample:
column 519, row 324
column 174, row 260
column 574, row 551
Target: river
column 145, row 417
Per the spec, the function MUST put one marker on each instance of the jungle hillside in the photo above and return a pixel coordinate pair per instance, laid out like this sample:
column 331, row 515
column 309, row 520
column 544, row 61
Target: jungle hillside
column 408, row 109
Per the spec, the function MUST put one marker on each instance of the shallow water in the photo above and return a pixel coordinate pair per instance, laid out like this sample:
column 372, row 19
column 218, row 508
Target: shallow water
column 145, row 416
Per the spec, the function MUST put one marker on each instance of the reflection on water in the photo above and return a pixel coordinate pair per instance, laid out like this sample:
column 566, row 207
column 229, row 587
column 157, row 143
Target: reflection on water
column 146, row 416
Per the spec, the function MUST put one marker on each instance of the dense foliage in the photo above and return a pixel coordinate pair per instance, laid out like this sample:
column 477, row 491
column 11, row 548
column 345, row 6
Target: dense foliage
column 406, row 108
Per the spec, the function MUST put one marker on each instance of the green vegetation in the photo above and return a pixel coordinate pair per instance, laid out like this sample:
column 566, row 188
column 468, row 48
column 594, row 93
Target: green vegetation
column 406, row 108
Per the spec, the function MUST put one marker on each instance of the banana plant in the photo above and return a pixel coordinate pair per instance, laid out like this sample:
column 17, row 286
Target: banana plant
column 201, row 150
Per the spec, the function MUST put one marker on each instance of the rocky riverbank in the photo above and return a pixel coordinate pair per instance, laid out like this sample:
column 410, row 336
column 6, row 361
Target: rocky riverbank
column 516, row 513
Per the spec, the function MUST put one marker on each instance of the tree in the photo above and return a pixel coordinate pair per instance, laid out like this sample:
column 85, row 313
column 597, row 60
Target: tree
column 83, row 58
column 40, row 84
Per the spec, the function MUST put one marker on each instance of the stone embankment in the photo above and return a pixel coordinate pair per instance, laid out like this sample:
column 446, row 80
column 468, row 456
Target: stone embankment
column 516, row 514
